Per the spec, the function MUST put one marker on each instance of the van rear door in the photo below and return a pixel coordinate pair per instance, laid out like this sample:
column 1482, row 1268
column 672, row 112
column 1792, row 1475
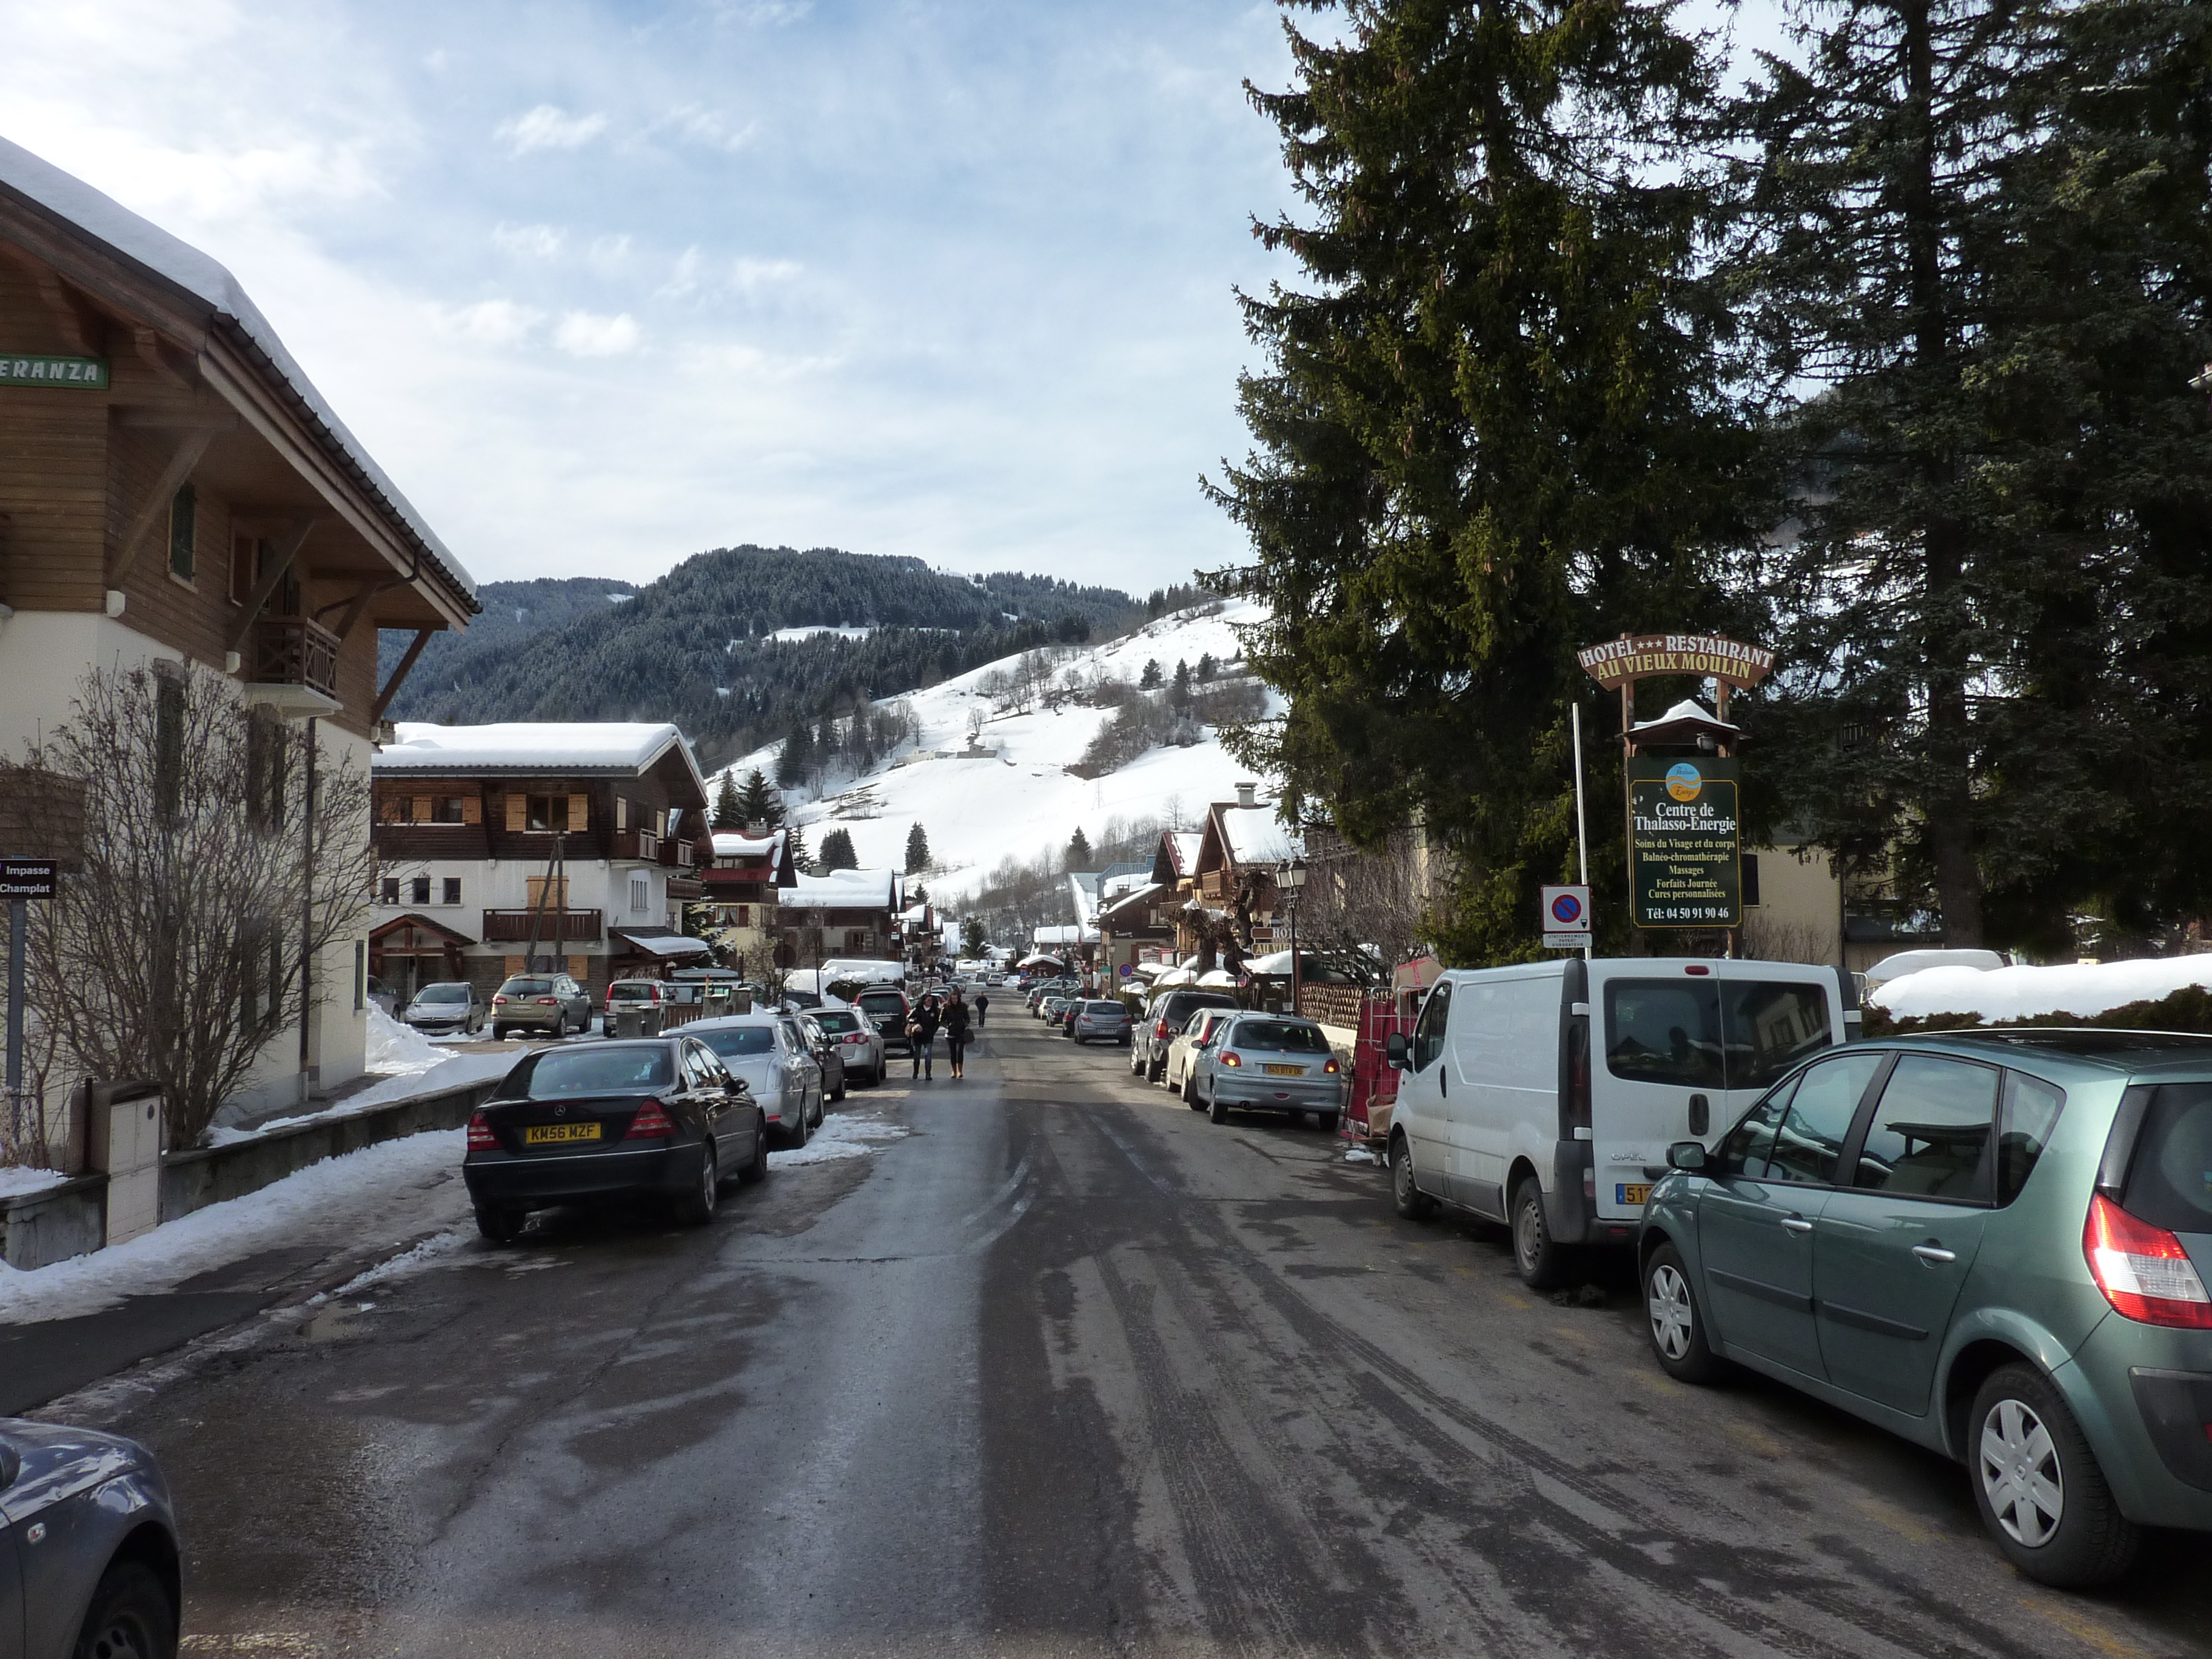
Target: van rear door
column 1670, row 1033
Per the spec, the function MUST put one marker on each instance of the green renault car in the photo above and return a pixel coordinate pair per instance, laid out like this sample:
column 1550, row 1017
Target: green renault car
column 1996, row 1245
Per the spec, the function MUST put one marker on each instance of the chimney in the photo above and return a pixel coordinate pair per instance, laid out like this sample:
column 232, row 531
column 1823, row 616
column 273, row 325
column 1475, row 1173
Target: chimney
column 1247, row 793
column 756, row 831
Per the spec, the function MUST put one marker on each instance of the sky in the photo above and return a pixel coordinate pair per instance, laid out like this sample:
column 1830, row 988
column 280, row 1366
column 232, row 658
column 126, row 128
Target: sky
column 601, row 285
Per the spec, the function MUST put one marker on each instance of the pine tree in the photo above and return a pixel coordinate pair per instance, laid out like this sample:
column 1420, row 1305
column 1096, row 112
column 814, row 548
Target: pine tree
column 974, row 937
column 1206, row 667
column 917, row 851
column 837, row 852
column 1150, row 679
column 1492, row 426
column 796, row 760
column 760, row 802
column 799, row 855
column 729, row 810
column 1078, row 850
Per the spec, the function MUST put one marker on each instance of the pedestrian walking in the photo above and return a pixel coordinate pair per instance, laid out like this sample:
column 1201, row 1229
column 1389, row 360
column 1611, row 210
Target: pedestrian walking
column 982, row 1009
column 921, row 1036
column 956, row 1032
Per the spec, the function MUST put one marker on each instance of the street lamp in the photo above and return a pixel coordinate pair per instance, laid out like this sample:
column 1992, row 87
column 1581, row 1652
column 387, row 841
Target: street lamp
column 1290, row 880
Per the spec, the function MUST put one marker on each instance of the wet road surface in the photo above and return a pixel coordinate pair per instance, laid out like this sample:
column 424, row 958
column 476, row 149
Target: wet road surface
column 1067, row 1369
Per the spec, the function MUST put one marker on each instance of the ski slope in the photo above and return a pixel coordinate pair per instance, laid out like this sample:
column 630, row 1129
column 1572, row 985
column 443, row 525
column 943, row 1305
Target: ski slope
column 1023, row 801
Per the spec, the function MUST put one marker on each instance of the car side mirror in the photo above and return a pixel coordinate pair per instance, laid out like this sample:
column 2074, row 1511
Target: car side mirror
column 1686, row 1155
column 1395, row 1050
column 1701, row 1115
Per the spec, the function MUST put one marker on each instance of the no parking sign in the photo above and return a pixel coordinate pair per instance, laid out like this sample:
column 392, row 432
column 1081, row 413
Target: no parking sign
column 1566, row 914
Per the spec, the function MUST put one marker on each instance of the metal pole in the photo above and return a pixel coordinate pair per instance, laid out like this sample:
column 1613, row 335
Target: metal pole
column 1581, row 823
column 307, row 907
column 18, row 916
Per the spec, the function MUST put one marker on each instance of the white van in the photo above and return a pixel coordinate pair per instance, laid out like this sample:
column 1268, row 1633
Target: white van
column 1503, row 1112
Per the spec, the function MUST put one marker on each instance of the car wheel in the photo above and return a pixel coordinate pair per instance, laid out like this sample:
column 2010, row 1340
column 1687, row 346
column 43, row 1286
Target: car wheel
column 756, row 1167
column 1155, row 1070
column 1676, row 1323
column 1136, row 1060
column 2036, row 1483
column 1326, row 1122
column 1189, row 1090
column 1405, row 1194
column 499, row 1222
column 499, row 1034
column 696, row 1207
column 130, row 1615
column 1215, row 1110
column 842, row 1084
column 1540, row 1259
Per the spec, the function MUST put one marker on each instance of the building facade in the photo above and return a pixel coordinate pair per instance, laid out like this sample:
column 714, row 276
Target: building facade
column 744, row 882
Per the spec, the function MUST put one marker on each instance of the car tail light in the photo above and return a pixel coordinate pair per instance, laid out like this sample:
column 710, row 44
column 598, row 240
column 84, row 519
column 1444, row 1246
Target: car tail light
column 1578, row 1073
column 545, row 1002
column 498, row 996
column 481, row 1138
column 1160, row 1029
column 2143, row 1270
column 1331, row 1066
column 1231, row 1057
column 651, row 1123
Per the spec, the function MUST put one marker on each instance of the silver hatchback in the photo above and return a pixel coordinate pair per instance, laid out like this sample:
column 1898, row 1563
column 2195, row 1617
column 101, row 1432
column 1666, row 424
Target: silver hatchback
column 1267, row 1063
column 1099, row 1021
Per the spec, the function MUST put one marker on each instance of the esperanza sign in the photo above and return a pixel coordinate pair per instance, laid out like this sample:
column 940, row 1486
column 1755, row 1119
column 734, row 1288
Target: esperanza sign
column 88, row 373
column 1684, row 843
column 1632, row 657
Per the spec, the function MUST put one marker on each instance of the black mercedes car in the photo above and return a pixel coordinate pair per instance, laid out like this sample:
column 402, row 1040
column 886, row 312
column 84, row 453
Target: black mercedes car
column 589, row 1123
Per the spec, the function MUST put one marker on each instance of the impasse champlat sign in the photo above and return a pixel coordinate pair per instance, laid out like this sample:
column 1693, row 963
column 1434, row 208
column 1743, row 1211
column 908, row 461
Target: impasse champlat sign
column 1685, row 843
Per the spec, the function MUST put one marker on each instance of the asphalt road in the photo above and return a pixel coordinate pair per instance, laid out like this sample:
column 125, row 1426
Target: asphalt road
column 1069, row 1370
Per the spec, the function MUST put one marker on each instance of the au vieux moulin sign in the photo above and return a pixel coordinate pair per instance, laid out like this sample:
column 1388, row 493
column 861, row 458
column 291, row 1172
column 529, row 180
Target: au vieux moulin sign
column 24, row 369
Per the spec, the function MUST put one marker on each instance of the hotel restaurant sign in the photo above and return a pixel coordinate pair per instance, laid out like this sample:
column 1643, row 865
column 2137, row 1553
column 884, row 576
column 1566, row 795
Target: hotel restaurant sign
column 19, row 369
column 1632, row 657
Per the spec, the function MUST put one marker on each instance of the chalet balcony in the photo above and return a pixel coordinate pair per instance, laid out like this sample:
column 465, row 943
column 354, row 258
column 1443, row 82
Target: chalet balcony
column 292, row 664
column 635, row 847
column 678, row 853
column 513, row 927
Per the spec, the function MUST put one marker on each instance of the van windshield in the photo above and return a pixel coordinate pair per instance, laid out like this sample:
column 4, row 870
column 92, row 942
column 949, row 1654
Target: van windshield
column 1725, row 1034
column 2170, row 1178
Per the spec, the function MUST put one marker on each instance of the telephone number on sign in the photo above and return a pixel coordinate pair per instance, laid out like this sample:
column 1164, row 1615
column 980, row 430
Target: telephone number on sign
column 1691, row 913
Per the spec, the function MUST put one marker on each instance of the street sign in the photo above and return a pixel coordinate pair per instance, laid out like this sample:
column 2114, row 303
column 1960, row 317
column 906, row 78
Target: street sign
column 1684, row 850
column 1633, row 657
column 27, row 879
column 1566, row 912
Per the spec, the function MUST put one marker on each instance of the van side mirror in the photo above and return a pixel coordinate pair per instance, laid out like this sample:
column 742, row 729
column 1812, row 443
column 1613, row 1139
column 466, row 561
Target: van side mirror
column 1686, row 1155
column 1394, row 1051
column 1701, row 1115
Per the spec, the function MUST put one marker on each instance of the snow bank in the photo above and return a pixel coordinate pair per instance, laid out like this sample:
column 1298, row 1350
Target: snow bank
column 15, row 1179
column 394, row 1047
column 2082, row 990
column 843, row 1135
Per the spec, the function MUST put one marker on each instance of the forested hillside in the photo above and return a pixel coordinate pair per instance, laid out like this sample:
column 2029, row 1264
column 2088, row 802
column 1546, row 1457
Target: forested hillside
column 696, row 645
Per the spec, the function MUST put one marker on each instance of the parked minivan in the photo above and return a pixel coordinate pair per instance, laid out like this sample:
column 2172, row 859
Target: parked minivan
column 1544, row 1095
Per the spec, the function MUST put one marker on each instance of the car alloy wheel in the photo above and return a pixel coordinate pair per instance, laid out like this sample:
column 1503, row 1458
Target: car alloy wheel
column 1671, row 1321
column 696, row 1207
column 2021, row 1474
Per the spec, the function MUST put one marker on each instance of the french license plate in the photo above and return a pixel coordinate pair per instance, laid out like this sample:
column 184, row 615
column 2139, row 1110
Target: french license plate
column 1631, row 1192
column 1285, row 1071
column 554, row 1135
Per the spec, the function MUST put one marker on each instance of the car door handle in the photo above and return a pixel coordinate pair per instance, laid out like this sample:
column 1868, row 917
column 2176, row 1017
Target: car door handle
column 1934, row 1254
column 1795, row 1223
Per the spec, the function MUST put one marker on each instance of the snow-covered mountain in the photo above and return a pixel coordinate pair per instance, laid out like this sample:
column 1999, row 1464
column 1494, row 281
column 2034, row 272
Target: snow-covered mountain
column 1020, row 799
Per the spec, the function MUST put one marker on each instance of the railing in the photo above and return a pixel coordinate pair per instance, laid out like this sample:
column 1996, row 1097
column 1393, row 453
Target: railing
column 642, row 846
column 678, row 853
column 295, row 651
column 513, row 927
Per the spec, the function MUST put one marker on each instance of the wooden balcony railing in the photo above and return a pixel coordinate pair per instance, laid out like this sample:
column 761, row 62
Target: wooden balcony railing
column 678, row 853
column 295, row 651
column 642, row 846
column 513, row 927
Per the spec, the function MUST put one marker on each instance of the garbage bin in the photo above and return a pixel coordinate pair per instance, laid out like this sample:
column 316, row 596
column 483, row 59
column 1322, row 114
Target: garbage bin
column 125, row 1137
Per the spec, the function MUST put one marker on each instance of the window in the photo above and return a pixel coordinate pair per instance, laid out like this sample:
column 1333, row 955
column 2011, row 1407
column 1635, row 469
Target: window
column 1931, row 1135
column 2170, row 1177
column 546, row 811
column 1769, row 1026
column 1429, row 1034
column 640, row 893
column 448, row 809
column 245, row 568
column 418, row 890
column 1748, row 864
column 184, row 531
column 388, row 891
column 452, row 889
column 168, row 739
column 2031, row 1112
column 1713, row 1034
column 1797, row 1132
column 744, row 915
column 359, row 975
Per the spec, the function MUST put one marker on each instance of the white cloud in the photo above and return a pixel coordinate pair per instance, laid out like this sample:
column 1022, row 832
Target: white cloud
column 750, row 275
column 489, row 322
column 709, row 127
column 581, row 334
column 536, row 241
column 550, row 127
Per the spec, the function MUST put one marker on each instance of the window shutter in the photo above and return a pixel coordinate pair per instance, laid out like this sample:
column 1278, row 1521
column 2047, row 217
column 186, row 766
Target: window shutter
column 472, row 808
column 580, row 969
column 424, row 810
column 555, row 899
column 514, row 965
column 621, row 812
column 580, row 813
column 518, row 811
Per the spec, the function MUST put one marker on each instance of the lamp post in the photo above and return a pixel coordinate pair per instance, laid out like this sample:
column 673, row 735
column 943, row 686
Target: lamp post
column 1290, row 880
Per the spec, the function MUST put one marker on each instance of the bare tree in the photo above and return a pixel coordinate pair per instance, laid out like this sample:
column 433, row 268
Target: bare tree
column 1357, row 898
column 177, row 954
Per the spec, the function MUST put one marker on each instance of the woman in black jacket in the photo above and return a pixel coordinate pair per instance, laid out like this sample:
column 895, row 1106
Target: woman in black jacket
column 956, row 1032
column 922, row 1035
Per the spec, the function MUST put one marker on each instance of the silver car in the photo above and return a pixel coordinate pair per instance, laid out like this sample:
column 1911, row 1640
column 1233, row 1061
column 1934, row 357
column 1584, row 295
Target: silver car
column 856, row 1040
column 442, row 1009
column 1267, row 1063
column 769, row 1052
column 88, row 1545
column 1099, row 1021
column 1187, row 1044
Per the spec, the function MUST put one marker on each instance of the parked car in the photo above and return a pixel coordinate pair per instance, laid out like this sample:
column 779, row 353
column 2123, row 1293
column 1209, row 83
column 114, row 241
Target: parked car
column 383, row 995
column 450, row 1005
column 769, row 1052
column 1545, row 1095
column 859, row 1046
column 656, row 1116
column 827, row 1055
column 551, row 1003
column 1996, row 1245
column 1266, row 1062
column 1186, row 1044
column 1099, row 1021
column 1051, row 988
column 103, row 1576
column 1050, row 1010
column 651, row 998
column 1167, row 1014
column 888, row 1010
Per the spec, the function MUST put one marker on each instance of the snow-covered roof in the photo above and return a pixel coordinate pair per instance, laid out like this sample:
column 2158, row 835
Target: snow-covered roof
column 2081, row 989
column 534, row 746
column 730, row 845
column 1132, row 897
column 1256, row 835
column 846, row 890
column 660, row 942
column 1174, row 977
column 1121, row 886
column 1183, row 846
column 141, row 242
column 1084, row 887
column 1217, row 979
column 1078, row 935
